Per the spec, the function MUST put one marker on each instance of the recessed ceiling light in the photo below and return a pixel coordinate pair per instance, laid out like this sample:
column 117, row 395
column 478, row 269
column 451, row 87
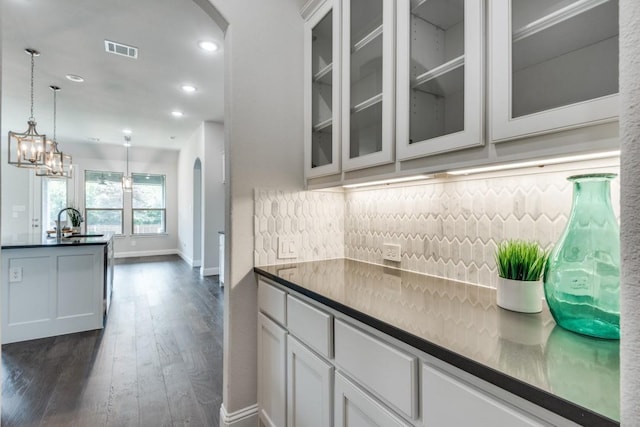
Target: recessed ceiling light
column 188, row 88
column 177, row 113
column 208, row 45
column 127, row 131
column 74, row 78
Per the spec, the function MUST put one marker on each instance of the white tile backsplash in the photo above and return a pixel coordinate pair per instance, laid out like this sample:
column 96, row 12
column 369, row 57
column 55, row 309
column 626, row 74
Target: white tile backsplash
column 448, row 228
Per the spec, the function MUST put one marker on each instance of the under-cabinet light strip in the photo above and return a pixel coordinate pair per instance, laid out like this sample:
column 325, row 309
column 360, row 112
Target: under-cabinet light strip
column 542, row 162
column 389, row 181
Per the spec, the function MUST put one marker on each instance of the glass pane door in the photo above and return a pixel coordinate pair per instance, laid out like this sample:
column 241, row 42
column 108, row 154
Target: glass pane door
column 322, row 88
column 563, row 52
column 437, row 67
column 366, row 80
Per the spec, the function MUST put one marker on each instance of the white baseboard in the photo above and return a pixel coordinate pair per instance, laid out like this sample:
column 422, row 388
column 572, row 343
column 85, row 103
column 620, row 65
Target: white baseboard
column 196, row 263
column 245, row 417
column 145, row 253
column 185, row 257
column 211, row 271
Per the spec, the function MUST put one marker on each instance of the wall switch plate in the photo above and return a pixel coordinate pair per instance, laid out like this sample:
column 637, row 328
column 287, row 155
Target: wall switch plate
column 287, row 247
column 391, row 252
column 15, row 274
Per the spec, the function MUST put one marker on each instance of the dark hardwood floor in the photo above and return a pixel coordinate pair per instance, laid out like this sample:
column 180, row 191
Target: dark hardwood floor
column 158, row 362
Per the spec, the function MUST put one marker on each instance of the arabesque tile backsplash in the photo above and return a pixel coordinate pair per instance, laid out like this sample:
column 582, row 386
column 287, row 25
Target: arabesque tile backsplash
column 447, row 228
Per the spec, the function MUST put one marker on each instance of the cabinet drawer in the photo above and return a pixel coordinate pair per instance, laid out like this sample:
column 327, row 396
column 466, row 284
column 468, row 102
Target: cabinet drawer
column 272, row 302
column 385, row 370
column 310, row 325
column 449, row 402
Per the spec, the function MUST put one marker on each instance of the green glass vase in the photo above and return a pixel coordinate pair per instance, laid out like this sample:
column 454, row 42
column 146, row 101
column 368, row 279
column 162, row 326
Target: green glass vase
column 582, row 275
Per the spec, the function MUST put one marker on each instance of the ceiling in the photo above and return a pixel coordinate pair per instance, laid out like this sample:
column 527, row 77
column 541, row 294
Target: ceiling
column 118, row 92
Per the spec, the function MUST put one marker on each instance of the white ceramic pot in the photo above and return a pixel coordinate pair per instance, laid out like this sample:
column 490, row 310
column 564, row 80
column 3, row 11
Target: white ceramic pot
column 517, row 295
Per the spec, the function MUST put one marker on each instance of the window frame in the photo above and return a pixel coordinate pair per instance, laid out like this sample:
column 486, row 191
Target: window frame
column 90, row 209
column 162, row 210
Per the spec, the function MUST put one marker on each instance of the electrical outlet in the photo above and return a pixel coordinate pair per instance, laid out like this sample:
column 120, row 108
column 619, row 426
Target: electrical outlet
column 391, row 252
column 15, row 274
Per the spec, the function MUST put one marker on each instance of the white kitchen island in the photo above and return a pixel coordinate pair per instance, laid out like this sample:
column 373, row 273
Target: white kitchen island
column 53, row 288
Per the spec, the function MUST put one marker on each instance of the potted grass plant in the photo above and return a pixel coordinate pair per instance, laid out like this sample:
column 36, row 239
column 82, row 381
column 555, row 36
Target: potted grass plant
column 520, row 266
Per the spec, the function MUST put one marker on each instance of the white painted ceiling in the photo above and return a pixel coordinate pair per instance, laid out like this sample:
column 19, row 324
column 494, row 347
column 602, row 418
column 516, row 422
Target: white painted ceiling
column 118, row 92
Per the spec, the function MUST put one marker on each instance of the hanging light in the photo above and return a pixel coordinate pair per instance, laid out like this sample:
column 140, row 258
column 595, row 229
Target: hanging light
column 29, row 149
column 58, row 164
column 127, row 181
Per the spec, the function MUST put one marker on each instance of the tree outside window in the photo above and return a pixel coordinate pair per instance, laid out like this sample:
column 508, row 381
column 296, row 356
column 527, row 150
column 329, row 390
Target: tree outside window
column 55, row 199
column 103, row 201
column 148, row 204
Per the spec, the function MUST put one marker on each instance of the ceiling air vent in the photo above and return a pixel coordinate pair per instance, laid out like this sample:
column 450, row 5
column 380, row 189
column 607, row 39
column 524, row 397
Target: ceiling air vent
column 121, row 49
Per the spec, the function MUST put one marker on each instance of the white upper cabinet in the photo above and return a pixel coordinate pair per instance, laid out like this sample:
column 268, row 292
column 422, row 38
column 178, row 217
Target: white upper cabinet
column 368, row 40
column 554, row 65
column 440, row 101
column 322, row 91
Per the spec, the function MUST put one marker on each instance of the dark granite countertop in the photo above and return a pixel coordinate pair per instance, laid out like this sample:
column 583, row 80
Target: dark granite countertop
column 38, row 240
column 527, row 354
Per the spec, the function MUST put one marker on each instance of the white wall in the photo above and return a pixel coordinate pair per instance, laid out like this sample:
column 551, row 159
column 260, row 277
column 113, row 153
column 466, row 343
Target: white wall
column 206, row 144
column 213, row 203
column 264, row 145
column 192, row 150
column 629, row 214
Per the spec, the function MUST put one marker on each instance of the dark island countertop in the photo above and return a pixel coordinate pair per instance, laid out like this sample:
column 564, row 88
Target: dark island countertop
column 38, row 240
column 575, row 376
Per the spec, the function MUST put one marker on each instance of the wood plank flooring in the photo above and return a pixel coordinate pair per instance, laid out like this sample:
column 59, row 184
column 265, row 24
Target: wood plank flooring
column 158, row 362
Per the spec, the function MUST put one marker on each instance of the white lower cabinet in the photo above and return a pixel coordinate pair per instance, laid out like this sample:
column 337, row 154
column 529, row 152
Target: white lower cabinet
column 355, row 408
column 446, row 401
column 369, row 381
column 54, row 291
column 272, row 371
column 309, row 387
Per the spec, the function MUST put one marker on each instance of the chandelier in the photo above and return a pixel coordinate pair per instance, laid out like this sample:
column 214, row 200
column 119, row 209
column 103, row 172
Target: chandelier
column 29, row 149
column 127, row 182
column 58, row 164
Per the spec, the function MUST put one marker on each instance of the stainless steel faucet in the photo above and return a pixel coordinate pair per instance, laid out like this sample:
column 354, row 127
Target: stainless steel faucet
column 58, row 228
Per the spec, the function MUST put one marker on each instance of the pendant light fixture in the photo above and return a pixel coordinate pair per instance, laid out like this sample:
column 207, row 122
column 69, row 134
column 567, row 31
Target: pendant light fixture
column 58, row 164
column 29, row 149
column 127, row 181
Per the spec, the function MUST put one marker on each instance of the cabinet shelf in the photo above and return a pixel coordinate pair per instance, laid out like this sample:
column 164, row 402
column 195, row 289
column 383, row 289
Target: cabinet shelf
column 582, row 23
column 367, row 39
column 367, row 103
column 324, row 75
column 438, row 71
column 324, row 125
column 441, row 13
column 557, row 17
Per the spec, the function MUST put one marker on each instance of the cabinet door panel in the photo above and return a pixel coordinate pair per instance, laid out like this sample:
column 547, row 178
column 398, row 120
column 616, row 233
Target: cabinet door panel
column 272, row 359
column 449, row 402
column 553, row 66
column 440, row 76
column 368, row 78
column 354, row 408
column 309, row 387
column 312, row 326
column 322, row 92
column 272, row 302
column 398, row 386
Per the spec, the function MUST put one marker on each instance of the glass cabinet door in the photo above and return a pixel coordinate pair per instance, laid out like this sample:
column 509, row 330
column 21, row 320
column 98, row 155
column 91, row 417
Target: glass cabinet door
column 368, row 76
column 322, row 73
column 555, row 65
column 440, row 78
